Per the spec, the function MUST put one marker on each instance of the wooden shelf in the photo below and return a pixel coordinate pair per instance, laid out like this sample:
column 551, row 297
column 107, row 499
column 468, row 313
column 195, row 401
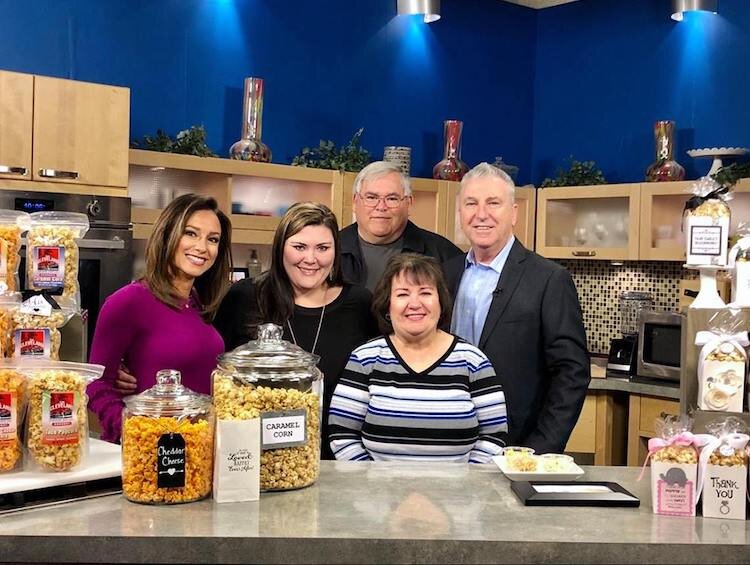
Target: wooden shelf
column 263, row 187
column 230, row 166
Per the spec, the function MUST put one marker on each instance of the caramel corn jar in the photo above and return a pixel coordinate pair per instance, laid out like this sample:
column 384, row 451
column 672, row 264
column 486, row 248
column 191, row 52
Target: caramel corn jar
column 278, row 382
column 167, row 443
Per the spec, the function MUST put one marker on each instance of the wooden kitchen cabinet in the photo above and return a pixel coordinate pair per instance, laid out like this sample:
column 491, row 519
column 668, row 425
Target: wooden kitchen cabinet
column 591, row 222
column 600, row 430
column 81, row 132
column 644, row 411
column 64, row 135
column 525, row 224
column 662, row 204
column 16, row 122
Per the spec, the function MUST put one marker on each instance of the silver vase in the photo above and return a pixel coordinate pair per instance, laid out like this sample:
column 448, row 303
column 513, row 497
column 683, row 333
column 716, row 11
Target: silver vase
column 250, row 147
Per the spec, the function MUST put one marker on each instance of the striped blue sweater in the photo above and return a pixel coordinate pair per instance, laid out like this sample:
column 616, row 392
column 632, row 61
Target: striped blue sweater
column 382, row 410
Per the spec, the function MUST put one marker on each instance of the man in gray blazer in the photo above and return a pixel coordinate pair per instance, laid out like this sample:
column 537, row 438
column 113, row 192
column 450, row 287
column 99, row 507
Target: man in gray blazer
column 522, row 311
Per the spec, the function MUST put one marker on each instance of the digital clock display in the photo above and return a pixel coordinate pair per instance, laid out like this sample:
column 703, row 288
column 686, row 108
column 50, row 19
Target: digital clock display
column 34, row 204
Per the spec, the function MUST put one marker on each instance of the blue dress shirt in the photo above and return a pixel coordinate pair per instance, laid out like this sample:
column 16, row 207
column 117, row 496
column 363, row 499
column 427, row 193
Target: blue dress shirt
column 475, row 294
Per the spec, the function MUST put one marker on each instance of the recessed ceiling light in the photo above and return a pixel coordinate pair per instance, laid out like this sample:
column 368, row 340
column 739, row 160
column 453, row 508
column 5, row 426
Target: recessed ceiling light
column 430, row 9
column 681, row 6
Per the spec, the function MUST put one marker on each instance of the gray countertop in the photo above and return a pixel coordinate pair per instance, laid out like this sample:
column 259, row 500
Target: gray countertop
column 375, row 513
column 624, row 385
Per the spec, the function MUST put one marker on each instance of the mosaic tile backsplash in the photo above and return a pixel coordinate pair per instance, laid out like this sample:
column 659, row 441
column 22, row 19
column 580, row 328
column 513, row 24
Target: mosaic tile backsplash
column 600, row 283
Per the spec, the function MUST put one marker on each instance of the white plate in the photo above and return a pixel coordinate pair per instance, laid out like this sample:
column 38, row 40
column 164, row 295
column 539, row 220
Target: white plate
column 574, row 473
column 716, row 151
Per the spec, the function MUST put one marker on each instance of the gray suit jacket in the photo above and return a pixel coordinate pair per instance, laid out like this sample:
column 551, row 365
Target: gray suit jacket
column 535, row 339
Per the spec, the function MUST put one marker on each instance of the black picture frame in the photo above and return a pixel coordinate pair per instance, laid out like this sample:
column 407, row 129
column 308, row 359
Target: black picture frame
column 615, row 495
column 239, row 273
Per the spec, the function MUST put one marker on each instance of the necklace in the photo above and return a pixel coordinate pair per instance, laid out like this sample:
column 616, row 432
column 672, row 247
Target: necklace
column 320, row 323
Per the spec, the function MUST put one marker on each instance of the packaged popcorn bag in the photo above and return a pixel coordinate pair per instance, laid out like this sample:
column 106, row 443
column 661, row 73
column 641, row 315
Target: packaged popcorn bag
column 723, row 470
column 722, row 363
column 56, row 422
column 706, row 223
column 674, row 467
column 52, row 252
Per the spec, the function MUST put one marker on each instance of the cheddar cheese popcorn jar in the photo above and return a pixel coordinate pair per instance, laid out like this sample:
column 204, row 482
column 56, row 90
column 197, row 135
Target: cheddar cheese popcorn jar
column 278, row 382
column 167, row 443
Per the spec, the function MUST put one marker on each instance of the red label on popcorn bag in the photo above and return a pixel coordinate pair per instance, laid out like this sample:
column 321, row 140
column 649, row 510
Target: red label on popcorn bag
column 33, row 343
column 48, row 267
column 59, row 418
column 8, row 423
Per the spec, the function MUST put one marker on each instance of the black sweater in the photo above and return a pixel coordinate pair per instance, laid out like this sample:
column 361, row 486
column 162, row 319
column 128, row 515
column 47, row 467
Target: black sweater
column 347, row 323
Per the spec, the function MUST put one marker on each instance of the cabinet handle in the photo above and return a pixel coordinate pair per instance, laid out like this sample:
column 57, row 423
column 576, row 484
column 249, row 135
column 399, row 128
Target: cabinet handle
column 55, row 174
column 584, row 253
column 6, row 170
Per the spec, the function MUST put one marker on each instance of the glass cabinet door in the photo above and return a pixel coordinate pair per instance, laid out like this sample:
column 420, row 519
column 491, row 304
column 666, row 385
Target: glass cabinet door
column 593, row 222
column 662, row 207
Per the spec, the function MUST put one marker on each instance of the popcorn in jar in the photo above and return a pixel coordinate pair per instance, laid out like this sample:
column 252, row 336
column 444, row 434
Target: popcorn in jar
column 167, row 443
column 277, row 382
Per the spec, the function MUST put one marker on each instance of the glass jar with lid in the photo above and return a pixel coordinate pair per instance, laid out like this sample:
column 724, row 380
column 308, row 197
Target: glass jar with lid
column 278, row 382
column 167, row 443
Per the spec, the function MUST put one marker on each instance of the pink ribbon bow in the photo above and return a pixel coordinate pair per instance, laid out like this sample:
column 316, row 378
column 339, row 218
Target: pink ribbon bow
column 683, row 439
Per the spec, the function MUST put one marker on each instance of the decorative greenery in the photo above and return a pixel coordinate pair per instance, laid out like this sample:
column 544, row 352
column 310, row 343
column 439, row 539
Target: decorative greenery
column 190, row 141
column 351, row 157
column 581, row 173
column 730, row 174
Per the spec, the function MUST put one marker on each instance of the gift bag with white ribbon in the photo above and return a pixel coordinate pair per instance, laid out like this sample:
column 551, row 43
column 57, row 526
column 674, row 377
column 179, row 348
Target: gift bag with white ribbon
column 722, row 365
column 722, row 470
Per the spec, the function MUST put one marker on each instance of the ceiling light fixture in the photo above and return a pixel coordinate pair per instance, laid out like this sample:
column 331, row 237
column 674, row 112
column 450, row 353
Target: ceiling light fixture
column 430, row 9
column 680, row 6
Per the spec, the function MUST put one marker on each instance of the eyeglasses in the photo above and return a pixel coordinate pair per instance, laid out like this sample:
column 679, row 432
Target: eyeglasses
column 391, row 201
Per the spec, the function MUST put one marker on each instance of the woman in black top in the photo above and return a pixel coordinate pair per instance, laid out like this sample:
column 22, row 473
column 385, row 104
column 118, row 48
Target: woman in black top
column 303, row 292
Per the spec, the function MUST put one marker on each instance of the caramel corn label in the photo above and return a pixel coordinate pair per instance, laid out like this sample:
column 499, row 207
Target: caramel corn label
column 8, row 423
column 48, row 268
column 283, row 429
column 59, row 419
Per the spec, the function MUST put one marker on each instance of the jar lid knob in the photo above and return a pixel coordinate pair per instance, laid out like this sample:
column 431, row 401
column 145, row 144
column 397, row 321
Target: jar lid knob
column 269, row 334
column 168, row 378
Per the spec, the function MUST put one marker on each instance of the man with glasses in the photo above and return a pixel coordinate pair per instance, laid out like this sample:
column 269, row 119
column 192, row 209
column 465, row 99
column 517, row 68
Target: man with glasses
column 382, row 200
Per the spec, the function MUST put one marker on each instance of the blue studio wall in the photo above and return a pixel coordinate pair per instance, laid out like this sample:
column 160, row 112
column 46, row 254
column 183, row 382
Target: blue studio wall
column 331, row 66
column 607, row 69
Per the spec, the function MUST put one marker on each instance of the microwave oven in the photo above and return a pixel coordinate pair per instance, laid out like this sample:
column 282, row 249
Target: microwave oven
column 659, row 345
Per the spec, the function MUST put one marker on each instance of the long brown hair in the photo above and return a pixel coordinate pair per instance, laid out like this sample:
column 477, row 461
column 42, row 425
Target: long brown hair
column 274, row 289
column 162, row 245
column 420, row 269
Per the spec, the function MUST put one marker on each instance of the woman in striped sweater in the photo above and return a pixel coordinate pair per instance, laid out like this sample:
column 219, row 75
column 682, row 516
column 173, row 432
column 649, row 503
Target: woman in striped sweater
column 417, row 393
